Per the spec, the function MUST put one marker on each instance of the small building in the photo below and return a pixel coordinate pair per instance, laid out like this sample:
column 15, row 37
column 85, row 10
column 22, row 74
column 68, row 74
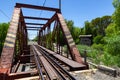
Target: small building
column 86, row 39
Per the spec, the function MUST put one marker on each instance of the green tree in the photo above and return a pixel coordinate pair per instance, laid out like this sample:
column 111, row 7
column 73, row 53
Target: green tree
column 76, row 34
column 88, row 28
column 116, row 15
column 113, row 45
column 110, row 30
column 98, row 39
column 100, row 24
column 3, row 32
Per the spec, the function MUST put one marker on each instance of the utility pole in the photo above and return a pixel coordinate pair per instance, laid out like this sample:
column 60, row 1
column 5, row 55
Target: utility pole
column 60, row 5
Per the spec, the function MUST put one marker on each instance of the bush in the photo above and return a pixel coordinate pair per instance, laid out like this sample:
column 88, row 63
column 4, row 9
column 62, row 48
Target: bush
column 113, row 45
column 91, row 53
column 107, row 59
column 3, row 32
column 110, row 60
column 98, row 39
column 98, row 47
column 82, row 48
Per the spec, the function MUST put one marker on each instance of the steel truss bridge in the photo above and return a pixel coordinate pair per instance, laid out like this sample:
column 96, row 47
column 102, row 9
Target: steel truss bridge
column 49, row 64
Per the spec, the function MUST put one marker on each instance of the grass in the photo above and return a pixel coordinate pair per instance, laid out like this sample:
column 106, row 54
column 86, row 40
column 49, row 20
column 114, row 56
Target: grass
column 92, row 53
column 97, row 55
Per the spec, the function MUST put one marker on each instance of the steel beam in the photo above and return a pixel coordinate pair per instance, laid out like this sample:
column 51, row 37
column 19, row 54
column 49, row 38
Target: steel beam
column 22, row 74
column 36, row 18
column 36, row 7
column 9, row 46
column 32, row 27
column 34, row 24
column 70, row 43
column 49, row 22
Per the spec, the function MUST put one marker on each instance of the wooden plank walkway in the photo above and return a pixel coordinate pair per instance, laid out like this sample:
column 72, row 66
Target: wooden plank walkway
column 72, row 64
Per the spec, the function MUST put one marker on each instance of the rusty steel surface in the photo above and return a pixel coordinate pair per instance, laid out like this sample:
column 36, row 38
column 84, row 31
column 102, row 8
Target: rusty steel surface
column 34, row 24
column 36, row 7
column 72, row 64
column 8, row 49
column 32, row 27
column 51, row 72
column 60, row 23
column 54, row 69
column 49, row 22
column 36, row 18
column 9, row 45
column 37, row 63
column 13, row 76
column 16, row 43
column 71, row 44
column 7, row 57
column 16, row 31
column 4, row 73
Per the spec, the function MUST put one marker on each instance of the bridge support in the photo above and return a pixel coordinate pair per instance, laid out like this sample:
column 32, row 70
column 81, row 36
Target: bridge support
column 9, row 46
column 59, row 24
column 70, row 43
column 16, row 39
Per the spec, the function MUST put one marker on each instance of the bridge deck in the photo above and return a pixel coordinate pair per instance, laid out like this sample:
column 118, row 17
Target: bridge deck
column 72, row 64
column 51, row 72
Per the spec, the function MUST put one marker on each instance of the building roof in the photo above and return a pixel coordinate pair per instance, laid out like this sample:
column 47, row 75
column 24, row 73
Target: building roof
column 85, row 36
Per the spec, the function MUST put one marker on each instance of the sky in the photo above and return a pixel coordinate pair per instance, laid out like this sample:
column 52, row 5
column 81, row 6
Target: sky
column 78, row 10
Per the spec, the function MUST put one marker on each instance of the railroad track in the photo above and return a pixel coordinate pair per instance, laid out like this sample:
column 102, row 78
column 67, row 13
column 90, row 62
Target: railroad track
column 48, row 67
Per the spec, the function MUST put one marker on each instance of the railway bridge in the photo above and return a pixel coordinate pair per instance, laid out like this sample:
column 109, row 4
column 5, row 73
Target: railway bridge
column 21, row 60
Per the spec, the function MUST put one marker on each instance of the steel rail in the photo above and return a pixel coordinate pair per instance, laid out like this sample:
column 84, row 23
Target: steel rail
column 62, row 77
column 57, row 65
column 38, row 65
column 50, row 75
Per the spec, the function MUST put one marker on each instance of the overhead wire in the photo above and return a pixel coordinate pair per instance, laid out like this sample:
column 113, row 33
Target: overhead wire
column 4, row 14
column 42, row 10
column 43, row 6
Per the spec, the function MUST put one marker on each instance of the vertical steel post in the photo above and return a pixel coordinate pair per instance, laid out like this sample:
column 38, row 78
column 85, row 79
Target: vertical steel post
column 60, row 5
column 85, row 56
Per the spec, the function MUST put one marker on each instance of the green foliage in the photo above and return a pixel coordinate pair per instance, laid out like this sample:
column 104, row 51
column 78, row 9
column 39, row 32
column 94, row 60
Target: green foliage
column 116, row 15
column 98, row 47
column 92, row 53
column 98, row 39
column 111, row 40
column 82, row 48
column 3, row 32
column 76, row 34
column 88, row 28
column 100, row 24
column 97, row 28
column 35, row 39
column 110, row 30
column 113, row 45
column 116, row 3
column 82, row 31
column 110, row 60
column 70, row 25
column 96, row 55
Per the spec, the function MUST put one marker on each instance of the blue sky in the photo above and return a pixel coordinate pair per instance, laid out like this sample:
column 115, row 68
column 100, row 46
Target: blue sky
column 78, row 10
